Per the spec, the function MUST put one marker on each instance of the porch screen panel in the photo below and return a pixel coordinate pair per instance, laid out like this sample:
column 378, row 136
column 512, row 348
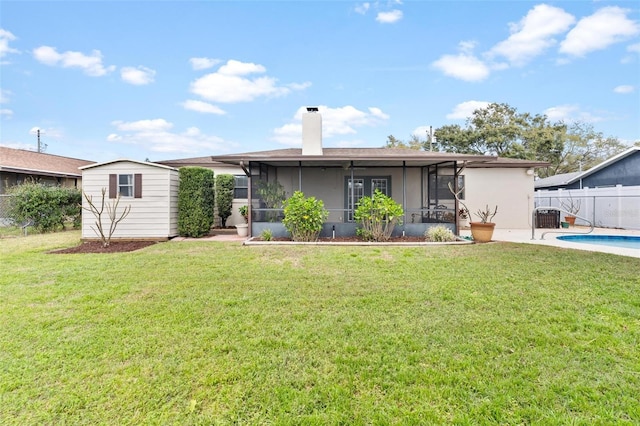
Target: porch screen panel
column 355, row 191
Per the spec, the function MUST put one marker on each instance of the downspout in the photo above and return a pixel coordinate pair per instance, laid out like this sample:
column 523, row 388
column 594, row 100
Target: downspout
column 249, row 215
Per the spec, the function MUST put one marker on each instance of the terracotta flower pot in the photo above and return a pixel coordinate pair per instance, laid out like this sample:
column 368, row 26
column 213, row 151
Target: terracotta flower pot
column 482, row 232
column 570, row 219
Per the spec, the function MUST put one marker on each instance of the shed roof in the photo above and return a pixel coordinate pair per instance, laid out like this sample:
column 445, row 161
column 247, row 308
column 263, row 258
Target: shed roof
column 38, row 163
column 123, row 160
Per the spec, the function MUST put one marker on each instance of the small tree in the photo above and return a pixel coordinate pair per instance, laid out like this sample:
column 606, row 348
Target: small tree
column 225, row 184
column 377, row 216
column 303, row 217
column 112, row 212
column 196, row 197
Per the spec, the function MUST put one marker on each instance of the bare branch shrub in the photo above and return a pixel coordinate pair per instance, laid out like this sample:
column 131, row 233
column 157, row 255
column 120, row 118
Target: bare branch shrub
column 112, row 212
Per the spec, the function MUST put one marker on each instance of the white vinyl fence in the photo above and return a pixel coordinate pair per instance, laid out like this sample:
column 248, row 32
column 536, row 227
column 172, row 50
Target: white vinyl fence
column 615, row 207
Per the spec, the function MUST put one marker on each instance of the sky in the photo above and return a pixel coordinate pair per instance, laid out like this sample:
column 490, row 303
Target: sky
column 160, row 80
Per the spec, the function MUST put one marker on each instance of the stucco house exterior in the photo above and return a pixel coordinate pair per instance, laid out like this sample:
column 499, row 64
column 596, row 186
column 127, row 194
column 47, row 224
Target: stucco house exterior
column 417, row 179
column 241, row 196
column 19, row 165
column 150, row 189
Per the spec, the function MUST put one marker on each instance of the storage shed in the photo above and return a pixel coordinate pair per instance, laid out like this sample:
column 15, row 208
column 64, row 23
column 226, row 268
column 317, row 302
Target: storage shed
column 150, row 189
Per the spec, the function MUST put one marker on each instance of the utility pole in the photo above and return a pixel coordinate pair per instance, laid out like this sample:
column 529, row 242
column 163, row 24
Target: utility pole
column 39, row 146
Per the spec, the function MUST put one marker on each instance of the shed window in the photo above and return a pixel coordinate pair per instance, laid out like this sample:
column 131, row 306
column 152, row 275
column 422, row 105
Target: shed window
column 125, row 185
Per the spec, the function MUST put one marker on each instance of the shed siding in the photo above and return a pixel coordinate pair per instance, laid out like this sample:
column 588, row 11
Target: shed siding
column 151, row 215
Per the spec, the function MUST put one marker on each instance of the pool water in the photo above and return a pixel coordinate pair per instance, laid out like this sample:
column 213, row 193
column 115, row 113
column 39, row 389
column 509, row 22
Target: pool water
column 623, row 241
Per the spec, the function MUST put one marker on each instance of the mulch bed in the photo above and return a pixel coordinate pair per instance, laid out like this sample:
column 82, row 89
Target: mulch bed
column 114, row 247
column 354, row 239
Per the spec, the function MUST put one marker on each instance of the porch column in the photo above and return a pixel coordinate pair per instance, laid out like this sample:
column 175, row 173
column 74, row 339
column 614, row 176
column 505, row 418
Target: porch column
column 404, row 194
column 300, row 176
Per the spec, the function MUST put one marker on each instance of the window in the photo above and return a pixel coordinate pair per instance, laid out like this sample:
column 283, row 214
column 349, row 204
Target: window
column 126, row 185
column 363, row 187
column 241, row 187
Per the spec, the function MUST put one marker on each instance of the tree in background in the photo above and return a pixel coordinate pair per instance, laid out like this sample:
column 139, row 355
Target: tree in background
column 225, row 184
column 498, row 129
column 196, row 196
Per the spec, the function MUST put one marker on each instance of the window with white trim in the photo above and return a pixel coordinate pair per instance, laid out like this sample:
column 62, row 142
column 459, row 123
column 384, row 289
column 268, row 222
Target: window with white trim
column 241, row 189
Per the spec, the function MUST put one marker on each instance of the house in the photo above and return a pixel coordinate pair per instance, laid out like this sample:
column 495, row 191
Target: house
column 240, row 197
column 606, row 195
column 622, row 169
column 419, row 180
column 19, row 165
column 150, row 189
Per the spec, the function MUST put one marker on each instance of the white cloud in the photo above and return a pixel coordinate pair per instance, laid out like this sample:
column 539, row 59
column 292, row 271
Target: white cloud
column 634, row 48
column 203, row 107
column 570, row 113
column 6, row 112
column 90, row 64
column 624, row 89
column 390, row 17
column 362, row 8
column 153, row 125
column 335, row 121
column 464, row 110
column 533, row 34
column 138, row 76
column 4, row 96
column 232, row 83
column 156, row 136
column 5, row 38
column 605, row 27
column 463, row 66
column 203, row 63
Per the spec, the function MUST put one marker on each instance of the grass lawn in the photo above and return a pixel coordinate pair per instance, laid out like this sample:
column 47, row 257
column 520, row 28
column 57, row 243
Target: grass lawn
column 216, row 333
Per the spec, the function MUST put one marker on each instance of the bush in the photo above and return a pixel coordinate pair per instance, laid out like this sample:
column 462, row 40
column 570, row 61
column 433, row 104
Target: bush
column 196, row 196
column 303, row 217
column 225, row 184
column 439, row 234
column 377, row 216
column 48, row 207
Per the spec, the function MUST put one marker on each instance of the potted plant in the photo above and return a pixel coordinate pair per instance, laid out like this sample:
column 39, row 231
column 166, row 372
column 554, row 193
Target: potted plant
column 482, row 231
column 572, row 207
column 243, row 228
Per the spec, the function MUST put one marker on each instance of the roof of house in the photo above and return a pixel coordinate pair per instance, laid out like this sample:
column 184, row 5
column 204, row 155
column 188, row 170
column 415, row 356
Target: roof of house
column 343, row 157
column 37, row 163
column 194, row 161
column 569, row 178
column 121, row 160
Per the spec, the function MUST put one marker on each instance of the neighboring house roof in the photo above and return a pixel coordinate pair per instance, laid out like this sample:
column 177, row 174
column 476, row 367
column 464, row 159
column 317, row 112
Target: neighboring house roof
column 556, row 180
column 569, row 178
column 37, row 163
column 121, row 160
column 343, row 157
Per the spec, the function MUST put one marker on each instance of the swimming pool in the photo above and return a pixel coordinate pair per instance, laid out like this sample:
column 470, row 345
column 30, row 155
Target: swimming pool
column 623, row 241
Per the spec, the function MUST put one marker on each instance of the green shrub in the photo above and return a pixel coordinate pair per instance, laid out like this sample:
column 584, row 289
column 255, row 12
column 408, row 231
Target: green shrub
column 225, row 184
column 377, row 216
column 196, row 196
column 303, row 217
column 272, row 195
column 48, row 207
column 439, row 234
column 267, row 235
